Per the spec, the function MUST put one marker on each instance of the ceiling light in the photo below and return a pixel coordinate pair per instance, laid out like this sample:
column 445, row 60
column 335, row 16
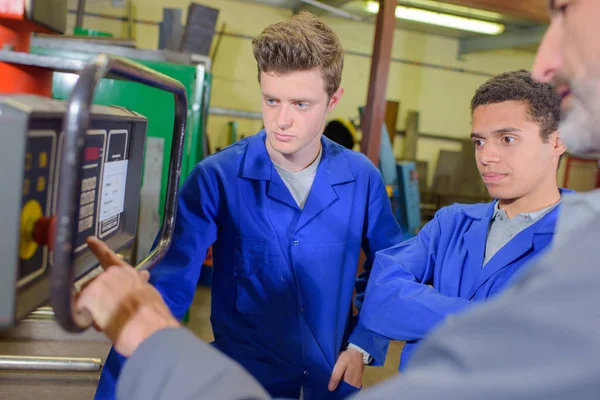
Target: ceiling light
column 464, row 11
column 441, row 19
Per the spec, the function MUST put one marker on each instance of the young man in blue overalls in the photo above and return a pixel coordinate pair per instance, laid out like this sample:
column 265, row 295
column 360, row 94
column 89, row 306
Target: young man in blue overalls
column 287, row 212
column 468, row 253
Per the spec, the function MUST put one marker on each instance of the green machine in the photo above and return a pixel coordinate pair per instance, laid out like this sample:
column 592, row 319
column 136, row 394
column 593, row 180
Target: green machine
column 192, row 70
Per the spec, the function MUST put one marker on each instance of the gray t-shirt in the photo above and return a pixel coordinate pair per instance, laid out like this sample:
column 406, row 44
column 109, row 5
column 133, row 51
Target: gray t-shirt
column 299, row 183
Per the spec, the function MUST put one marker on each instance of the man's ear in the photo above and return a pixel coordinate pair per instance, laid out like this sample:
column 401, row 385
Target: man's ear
column 335, row 99
column 558, row 146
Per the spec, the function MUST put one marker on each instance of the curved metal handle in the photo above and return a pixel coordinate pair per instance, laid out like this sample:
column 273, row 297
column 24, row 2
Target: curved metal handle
column 75, row 127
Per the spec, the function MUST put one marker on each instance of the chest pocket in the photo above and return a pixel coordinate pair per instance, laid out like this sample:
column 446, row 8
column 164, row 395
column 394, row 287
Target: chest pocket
column 254, row 280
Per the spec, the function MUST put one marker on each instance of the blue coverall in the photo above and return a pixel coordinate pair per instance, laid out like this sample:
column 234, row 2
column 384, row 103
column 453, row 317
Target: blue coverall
column 283, row 277
column 447, row 254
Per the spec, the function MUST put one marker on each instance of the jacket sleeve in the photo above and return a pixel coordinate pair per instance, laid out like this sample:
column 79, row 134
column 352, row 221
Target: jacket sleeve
column 399, row 302
column 176, row 276
column 173, row 364
column 381, row 231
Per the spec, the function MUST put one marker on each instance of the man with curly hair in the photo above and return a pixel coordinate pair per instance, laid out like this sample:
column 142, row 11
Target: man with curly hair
column 470, row 252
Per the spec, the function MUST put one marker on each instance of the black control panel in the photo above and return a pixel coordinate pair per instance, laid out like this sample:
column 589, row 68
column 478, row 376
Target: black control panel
column 30, row 161
column 102, row 189
column 38, row 180
column 104, row 177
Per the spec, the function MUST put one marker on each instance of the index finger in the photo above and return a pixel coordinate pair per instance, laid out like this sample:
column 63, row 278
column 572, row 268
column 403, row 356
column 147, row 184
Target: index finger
column 105, row 255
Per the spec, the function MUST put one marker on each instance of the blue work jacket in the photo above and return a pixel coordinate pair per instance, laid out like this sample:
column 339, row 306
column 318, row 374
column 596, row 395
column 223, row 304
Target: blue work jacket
column 416, row 284
column 283, row 276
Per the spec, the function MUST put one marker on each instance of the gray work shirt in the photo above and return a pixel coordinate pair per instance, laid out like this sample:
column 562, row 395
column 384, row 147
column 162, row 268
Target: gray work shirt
column 503, row 229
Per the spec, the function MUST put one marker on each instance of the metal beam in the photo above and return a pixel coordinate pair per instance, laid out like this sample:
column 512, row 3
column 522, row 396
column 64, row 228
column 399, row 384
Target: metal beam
column 230, row 112
column 321, row 7
column 532, row 10
column 374, row 115
column 528, row 37
column 80, row 13
column 56, row 364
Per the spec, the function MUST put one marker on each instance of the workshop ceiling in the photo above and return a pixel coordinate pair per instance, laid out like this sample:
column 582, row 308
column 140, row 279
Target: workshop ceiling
column 524, row 21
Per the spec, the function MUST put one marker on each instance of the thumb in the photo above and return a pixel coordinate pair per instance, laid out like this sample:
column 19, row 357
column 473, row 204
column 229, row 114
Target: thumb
column 145, row 275
column 336, row 375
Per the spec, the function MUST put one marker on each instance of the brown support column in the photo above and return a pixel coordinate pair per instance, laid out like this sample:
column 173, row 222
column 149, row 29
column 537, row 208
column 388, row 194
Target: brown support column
column 374, row 113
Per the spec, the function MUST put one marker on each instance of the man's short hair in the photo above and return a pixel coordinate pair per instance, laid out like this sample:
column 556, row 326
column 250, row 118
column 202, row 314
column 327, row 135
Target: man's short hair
column 542, row 99
column 302, row 43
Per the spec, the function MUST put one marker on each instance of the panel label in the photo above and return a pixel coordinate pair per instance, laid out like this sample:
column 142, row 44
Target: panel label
column 112, row 201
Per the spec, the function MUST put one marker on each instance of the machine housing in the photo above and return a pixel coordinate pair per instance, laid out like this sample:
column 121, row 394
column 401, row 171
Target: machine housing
column 30, row 164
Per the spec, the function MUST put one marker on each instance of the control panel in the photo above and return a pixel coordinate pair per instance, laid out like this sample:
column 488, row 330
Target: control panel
column 108, row 185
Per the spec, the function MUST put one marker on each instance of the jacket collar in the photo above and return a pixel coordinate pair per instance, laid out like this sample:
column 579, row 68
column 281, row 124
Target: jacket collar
column 483, row 211
column 257, row 165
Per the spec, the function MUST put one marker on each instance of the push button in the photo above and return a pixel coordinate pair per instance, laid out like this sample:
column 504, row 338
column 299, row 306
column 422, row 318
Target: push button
column 43, row 232
column 41, row 184
column 43, row 159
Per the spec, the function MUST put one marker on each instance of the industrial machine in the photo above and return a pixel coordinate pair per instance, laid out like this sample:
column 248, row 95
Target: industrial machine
column 37, row 151
column 76, row 171
column 192, row 70
column 79, row 170
column 71, row 169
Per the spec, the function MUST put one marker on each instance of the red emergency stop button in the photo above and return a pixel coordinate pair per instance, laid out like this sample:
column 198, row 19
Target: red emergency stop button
column 43, row 231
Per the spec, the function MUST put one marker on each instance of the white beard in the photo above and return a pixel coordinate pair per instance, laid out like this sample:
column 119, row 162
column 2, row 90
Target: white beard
column 579, row 127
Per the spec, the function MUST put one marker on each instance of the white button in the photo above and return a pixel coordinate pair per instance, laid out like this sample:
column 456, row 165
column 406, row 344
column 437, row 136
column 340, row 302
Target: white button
column 296, row 243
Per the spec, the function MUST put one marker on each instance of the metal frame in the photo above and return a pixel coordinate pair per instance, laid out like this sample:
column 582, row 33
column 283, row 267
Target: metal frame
column 53, row 364
column 333, row 9
column 526, row 37
column 34, row 60
column 147, row 55
column 75, row 126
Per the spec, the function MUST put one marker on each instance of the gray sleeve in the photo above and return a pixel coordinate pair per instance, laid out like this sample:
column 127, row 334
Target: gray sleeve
column 538, row 340
column 174, row 365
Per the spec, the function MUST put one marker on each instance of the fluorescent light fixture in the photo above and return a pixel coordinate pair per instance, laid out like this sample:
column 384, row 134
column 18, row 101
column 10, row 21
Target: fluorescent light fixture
column 441, row 19
column 465, row 11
